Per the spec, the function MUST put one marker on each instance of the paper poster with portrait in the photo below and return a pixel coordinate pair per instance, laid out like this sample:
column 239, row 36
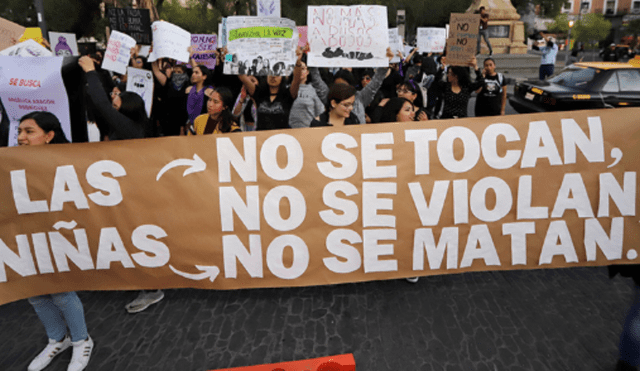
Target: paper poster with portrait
column 347, row 36
column 63, row 44
column 260, row 46
column 141, row 82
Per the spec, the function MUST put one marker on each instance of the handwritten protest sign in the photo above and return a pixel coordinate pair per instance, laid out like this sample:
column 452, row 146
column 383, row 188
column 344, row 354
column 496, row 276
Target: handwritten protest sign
column 260, row 46
column 322, row 205
column 302, row 35
column 431, row 39
column 116, row 57
column 133, row 22
column 141, row 82
column 347, row 36
column 169, row 41
column 33, row 84
column 9, row 31
column 268, row 8
column 461, row 44
column 63, row 44
column 395, row 43
column 28, row 48
column 204, row 48
column 222, row 38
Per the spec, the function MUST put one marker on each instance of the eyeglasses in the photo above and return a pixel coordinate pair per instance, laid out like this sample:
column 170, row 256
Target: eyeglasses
column 346, row 105
column 114, row 94
column 402, row 91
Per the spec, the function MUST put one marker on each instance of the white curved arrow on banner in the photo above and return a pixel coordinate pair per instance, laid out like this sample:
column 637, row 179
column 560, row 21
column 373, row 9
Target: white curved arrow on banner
column 195, row 165
column 208, row 271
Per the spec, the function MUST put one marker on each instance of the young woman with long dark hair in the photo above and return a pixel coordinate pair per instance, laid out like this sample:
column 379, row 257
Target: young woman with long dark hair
column 339, row 107
column 457, row 89
column 219, row 118
column 61, row 314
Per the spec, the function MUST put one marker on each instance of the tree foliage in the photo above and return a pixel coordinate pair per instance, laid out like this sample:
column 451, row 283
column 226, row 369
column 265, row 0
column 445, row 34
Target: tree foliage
column 590, row 27
column 197, row 17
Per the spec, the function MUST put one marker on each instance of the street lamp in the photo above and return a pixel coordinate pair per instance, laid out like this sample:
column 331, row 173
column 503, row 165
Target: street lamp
column 567, row 51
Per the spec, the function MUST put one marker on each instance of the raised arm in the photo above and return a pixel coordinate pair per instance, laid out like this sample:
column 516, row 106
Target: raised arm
column 160, row 76
column 367, row 94
column 297, row 71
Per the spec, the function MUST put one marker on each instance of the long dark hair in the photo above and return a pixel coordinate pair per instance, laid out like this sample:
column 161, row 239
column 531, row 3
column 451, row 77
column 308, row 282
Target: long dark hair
column 228, row 101
column 338, row 93
column 132, row 106
column 464, row 78
column 47, row 121
column 413, row 88
column 391, row 109
column 206, row 72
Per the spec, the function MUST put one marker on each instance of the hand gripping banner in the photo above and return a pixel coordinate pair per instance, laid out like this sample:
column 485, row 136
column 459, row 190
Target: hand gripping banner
column 321, row 206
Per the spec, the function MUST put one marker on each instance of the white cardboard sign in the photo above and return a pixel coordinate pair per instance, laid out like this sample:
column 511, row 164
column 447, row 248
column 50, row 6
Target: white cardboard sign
column 169, row 41
column 141, row 82
column 116, row 58
column 63, row 44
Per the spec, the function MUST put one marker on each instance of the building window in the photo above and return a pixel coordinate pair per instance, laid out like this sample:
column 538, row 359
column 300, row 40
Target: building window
column 585, row 6
column 636, row 7
column 610, row 8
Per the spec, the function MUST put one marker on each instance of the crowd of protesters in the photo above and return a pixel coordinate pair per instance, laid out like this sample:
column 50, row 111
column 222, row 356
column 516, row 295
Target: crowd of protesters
column 194, row 100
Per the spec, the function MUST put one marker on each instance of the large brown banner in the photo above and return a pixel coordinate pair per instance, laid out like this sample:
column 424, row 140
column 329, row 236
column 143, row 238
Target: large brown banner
column 321, row 206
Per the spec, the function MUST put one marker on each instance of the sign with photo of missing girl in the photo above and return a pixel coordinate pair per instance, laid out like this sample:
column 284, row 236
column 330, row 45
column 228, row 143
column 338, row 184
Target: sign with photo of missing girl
column 260, row 46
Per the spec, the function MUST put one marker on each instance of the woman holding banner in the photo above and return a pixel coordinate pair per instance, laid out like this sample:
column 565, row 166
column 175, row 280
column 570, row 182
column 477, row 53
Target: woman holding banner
column 57, row 312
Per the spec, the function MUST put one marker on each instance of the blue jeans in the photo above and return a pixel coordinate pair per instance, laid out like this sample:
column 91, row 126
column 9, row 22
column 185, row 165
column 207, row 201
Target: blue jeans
column 484, row 34
column 59, row 311
column 630, row 338
column 546, row 70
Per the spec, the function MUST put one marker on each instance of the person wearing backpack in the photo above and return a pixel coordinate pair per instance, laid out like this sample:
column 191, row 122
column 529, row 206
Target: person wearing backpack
column 492, row 96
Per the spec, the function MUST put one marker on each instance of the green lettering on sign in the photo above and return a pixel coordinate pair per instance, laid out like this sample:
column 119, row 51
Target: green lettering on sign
column 261, row 33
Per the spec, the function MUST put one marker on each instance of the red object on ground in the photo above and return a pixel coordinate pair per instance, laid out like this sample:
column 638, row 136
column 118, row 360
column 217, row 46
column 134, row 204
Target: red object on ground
column 343, row 362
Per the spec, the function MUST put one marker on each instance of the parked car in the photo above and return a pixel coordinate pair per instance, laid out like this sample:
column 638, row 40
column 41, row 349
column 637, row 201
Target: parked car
column 583, row 85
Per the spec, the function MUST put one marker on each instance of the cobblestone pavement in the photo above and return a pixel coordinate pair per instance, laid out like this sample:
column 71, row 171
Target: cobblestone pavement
column 554, row 319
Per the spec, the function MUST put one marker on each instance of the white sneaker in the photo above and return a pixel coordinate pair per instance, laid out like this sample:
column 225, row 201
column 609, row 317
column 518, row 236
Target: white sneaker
column 45, row 357
column 144, row 300
column 81, row 354
column 413, row 279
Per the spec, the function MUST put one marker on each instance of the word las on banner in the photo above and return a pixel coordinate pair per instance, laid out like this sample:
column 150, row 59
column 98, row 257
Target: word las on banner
column 33, row 84
column 463, row 36
column 268, row 8
column 431, row 39
column 28, row 48
column 141, row 82
column 342, row 362
column 63, row 44
column 260, row 46
column 347, row 36
column 133, row 22
column 169, row 41
column 116, row 57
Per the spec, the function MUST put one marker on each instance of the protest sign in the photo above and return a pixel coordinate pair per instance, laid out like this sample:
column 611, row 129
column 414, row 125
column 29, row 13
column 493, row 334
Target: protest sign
column 133, row 22
column 144, row 50
column 395, row 43
column 342, row 362
column 32, row 33
column 302, row 35
column 431, row 39
column 462, row 41
column 321, row 205
column 28, row 48
column 221, row 40
column 9, row 32
column 141, row 82
column 33, row 84
column 268, row 8
column 116, row 57
column 169, row 41
column 260, row 46
column 347, row 36
column 204, row 49
column 63, row 44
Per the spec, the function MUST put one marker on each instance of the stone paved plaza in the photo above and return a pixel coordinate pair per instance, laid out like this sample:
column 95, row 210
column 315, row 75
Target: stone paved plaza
column 554, row 319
